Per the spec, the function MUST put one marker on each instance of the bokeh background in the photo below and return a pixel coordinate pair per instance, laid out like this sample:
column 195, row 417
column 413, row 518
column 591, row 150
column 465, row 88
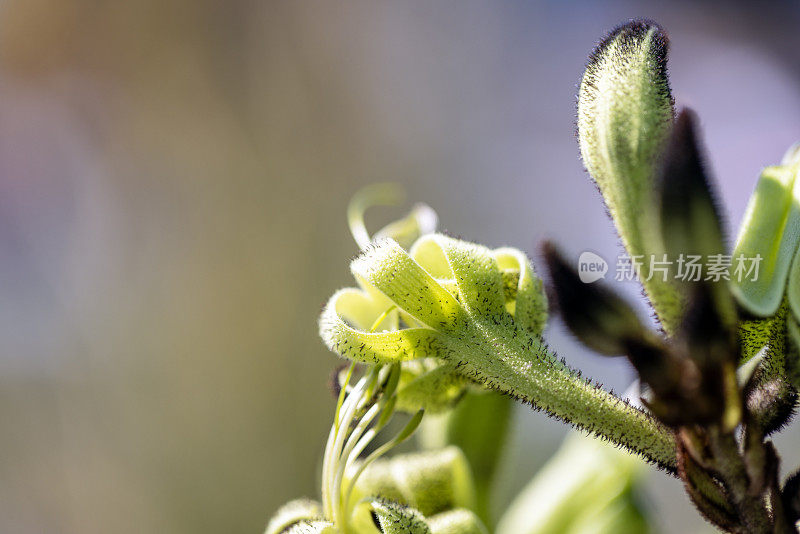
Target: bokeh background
column 173, row 180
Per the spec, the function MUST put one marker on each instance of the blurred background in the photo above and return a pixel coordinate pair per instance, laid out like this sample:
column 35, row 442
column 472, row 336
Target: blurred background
column 173, row 181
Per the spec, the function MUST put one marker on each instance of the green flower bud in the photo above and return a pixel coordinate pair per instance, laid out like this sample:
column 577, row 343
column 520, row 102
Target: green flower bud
column 625, row 111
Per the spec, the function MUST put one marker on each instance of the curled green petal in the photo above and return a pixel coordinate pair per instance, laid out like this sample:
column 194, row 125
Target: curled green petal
column 525, row 300
column 420, row 221
column 372, row 347
column 770, row 235
column 387, row 194
column 390, row 269
column 473, row 267
column 625, row 112
column 363, row 307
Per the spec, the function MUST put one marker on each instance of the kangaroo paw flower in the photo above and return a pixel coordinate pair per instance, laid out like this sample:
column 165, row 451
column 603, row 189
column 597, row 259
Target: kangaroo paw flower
column 455, row 299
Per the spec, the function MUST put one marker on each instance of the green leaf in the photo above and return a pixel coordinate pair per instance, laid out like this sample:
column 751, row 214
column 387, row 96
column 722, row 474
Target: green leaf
column 430, row 481
column 472, row 329
column 625, row 112
column 587, row 487
column 294, row 512
column 456, row 522
column 770, row 230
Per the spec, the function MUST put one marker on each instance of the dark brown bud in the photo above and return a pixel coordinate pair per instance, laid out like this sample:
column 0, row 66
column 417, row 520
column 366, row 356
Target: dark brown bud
column 596, row 315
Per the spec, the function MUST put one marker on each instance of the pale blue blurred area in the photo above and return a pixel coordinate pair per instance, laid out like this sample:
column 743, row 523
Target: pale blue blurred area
column 173, row 180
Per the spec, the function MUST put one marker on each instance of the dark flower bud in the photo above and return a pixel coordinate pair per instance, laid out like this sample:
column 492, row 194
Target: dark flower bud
column 791, row 497
column 595, row 314
column 688, row 213
column 690, row 220
column 709, row 340
column 772, row 404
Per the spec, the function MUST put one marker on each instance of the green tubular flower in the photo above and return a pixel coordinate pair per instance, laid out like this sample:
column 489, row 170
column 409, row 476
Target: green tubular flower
column 471, row 327
column 792, row 158
column 771, row 230
column 625, row 111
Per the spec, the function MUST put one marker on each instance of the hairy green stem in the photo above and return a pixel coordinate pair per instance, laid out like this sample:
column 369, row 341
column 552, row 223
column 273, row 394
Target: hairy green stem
column 522, row 366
